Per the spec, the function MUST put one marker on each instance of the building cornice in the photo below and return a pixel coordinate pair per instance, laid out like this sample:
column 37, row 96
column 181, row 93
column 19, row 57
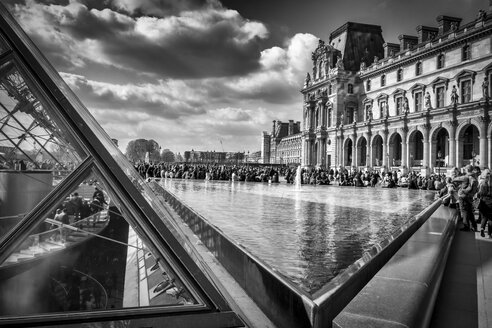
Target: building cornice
column 429, row 49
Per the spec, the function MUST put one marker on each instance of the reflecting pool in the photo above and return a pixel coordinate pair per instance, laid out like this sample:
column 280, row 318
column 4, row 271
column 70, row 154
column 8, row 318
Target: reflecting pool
column 309, row 235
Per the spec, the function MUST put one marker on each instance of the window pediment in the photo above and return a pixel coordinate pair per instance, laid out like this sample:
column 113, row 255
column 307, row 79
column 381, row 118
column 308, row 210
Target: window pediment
column 398, row 92
column 466, row 73
column 417, row 87
column 440, row 81
column 382, row 96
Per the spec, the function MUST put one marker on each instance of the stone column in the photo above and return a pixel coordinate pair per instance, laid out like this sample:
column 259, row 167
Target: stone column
column 483, row 151
column 305, row 152
column 355, row 156
column 334, row 146
column 404, row 150
column 489, row 139
column 483, row 144
column 385, row 150
column 340, row 151
column 452, row 145
column 426, row 163
column 367, row 136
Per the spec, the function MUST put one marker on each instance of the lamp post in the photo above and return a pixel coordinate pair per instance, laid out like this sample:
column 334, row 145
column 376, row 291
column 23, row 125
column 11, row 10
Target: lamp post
column 473, row 157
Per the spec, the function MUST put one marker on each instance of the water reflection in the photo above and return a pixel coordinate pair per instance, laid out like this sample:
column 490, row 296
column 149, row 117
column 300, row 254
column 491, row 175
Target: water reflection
column 309, row 235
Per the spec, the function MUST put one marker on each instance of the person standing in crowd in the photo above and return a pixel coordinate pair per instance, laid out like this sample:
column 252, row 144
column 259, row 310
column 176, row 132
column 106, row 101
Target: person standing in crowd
column 484, row 194
column 468, row 189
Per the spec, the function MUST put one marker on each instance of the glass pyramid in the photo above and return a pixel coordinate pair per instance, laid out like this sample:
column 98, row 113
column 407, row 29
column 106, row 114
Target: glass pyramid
column 82, row 237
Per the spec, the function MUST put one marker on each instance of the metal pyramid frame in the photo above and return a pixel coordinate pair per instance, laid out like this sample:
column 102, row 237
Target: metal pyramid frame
column 62, row 125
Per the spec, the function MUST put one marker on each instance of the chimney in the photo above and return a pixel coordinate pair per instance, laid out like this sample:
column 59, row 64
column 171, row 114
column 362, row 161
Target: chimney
column 390, row 49
column 407, row 41
column 426, row 33
column 447, row 24
column 291, row 128
column 274, row 127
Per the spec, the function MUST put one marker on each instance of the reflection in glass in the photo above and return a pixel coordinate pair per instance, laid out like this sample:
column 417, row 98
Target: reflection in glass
column 84, row 256
column 31, row 136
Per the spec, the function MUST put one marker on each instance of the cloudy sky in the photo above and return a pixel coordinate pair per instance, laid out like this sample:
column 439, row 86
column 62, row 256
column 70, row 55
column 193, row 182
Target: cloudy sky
column 192, row 73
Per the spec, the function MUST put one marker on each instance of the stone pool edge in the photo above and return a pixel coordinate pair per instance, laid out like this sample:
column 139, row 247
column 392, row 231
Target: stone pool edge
column 403, row 292
column 284, row 303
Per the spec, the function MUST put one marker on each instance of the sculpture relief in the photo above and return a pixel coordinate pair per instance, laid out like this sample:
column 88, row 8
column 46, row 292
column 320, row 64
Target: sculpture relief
column 427, row 100
column 454, row 96
column 307, row 80
column 485, row 88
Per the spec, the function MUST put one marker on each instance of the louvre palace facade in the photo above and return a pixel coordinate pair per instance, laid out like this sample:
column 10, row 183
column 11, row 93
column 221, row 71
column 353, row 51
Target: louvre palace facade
column 422, row 104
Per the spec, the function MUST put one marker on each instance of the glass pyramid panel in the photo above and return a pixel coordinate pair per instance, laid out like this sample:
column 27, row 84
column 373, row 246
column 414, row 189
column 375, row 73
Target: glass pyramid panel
column 30, row 134
column 85, row 256
column 50, row 267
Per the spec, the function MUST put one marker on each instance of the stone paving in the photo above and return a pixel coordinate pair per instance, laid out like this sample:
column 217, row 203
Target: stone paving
column 465, row 296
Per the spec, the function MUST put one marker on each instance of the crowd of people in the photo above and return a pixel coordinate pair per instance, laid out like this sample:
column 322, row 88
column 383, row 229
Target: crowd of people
column 469, row 191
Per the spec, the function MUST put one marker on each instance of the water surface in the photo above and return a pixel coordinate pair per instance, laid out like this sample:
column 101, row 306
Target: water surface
column 309, row 235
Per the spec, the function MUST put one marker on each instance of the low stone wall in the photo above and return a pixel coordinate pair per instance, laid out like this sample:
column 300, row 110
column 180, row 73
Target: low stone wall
column 289, row 306
column 403, row 292
column 286, row 305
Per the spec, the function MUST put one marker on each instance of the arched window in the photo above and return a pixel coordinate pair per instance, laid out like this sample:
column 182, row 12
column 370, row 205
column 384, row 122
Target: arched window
column 350, row 88
column 368, row 85
column 383, row 80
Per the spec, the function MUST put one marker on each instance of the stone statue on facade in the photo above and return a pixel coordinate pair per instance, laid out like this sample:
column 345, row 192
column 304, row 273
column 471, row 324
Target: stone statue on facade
column 369, row 114
column 406, row 108
column 339, row 63
column 362, row 65
column 454, row 26
column 341, row 119
column 427, row 100
column 481, row 15
column 454, row 96
column 307, row 80
column 355, row 116
column 385, row 110
column 376, row 59
column 485, row 88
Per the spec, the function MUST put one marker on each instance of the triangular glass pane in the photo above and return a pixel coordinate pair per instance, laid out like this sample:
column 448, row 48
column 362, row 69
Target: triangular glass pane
column 84, row 255
column 36, row 148
column 31, row 133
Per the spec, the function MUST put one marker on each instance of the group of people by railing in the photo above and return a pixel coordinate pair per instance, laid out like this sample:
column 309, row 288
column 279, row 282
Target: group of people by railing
column 470, row 191
column 467, row 191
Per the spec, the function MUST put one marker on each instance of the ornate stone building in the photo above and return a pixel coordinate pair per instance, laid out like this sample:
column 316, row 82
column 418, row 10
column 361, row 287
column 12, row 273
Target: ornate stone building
column 283, row 145
column 423, row 104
